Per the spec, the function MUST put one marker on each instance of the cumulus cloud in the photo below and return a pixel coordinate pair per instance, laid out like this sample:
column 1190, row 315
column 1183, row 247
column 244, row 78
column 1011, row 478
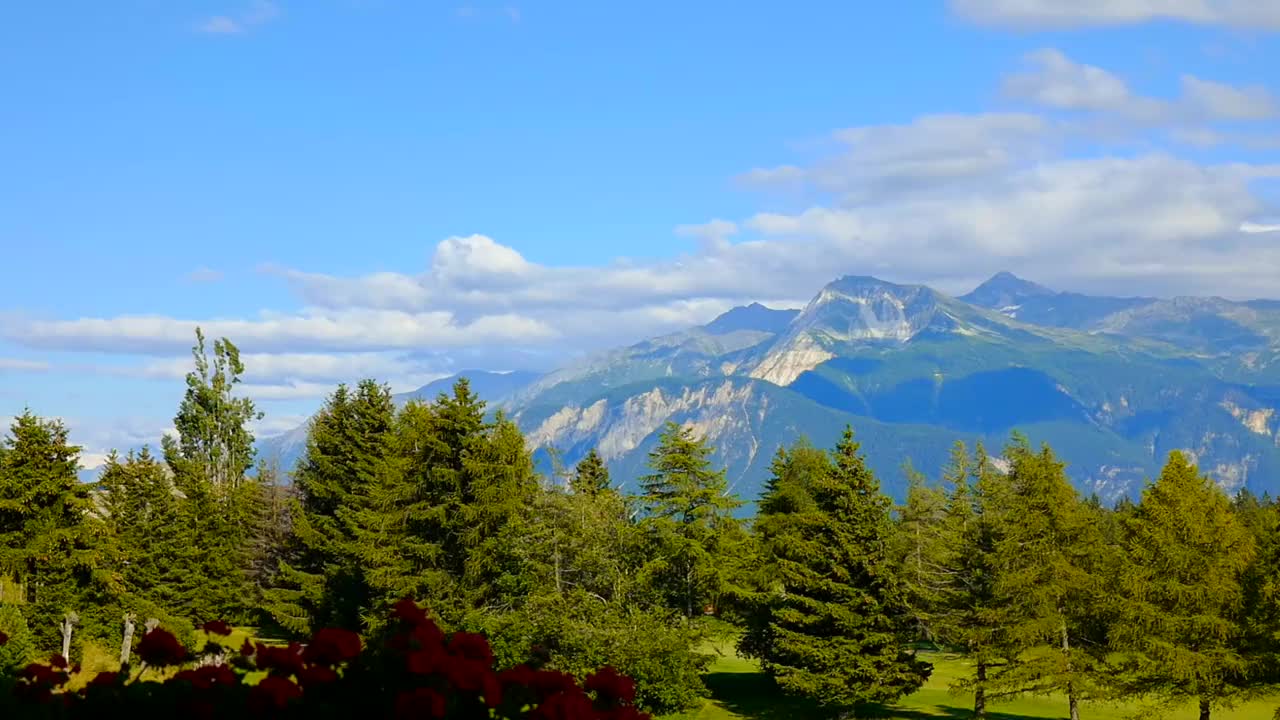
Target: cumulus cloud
column 1227, row 102
column 1252, row 14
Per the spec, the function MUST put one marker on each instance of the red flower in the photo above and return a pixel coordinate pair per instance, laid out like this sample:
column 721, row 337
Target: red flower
column 217, row 627
column 247, row 648
column 428, row 635
column 42, row 675
column 426, row 662
column 3, row 638
column 420, row 702
column 468, row 675
column 316, row 675
column 280, row 660
column 549, row 682
column 58, row 661
column 408, row 611
column 611, row 687
column 565, row 706
column 208, row 676
column 273, row 693
column 159, row 647
column 331, row 646
column 472, row 646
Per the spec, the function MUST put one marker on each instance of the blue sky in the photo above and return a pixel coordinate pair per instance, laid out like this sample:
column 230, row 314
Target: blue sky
column 402, row 189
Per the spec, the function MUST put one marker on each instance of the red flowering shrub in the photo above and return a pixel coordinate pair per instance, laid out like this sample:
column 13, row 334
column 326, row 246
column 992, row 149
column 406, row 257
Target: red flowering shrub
column 159, row 648
column 217, row 627
column 415, row 671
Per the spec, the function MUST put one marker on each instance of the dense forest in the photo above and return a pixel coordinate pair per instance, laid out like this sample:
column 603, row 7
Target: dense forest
column 832, row 586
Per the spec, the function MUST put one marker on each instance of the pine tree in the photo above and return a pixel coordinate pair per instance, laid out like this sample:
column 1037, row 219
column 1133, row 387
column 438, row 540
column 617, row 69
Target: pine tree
column 688, row 516
column 919, row 546
column 839, row 626
column 49, row 541
column 143, row 516
column 210, row 459
column 322, row 579
column 1186, row 558
column 1046, row 592
column 590, row 476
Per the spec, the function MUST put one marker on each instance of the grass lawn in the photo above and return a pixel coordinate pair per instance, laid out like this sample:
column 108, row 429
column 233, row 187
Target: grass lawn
column 739, row 690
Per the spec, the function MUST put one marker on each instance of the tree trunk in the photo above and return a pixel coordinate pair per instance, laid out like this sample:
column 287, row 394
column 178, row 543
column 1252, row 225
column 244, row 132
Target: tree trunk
column 1204, row 709
column 68, row 625
column 1072, row 701
column 980, row 692
column 126, row 647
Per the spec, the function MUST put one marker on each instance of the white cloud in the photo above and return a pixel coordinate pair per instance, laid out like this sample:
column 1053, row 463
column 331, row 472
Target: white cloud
column 933, row 151
column 1226, row 102
column 1253, row 228
column 17, row 365
column 260, row 12
column 1053, row 80
column 318, row 329
column 1250, row 14
column 204, row 275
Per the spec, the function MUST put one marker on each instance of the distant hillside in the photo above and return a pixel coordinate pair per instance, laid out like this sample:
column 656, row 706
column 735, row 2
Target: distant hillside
column 1113, row 384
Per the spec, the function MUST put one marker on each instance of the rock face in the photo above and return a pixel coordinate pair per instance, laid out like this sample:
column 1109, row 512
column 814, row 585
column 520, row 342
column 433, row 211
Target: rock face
column 1113, row 384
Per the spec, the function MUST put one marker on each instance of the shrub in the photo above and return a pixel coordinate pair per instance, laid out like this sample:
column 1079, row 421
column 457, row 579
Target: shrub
column 20, row 646
column 412, row 670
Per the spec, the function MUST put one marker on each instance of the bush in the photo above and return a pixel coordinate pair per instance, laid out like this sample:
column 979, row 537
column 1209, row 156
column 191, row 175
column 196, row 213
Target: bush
column 577, row 633
column 412, row 670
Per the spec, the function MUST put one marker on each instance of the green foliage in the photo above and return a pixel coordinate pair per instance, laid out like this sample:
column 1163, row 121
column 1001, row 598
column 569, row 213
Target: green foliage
column 21, row 646
column 697, row 544
column 1047, row 591
column 1183, row 589
column 920, row 548
column 322, row 579
column 209, row 461
column 49, row 543
column 838, row 623
column 590, row 475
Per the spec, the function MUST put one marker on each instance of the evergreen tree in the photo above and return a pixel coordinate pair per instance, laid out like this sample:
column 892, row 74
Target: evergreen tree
column 590, row 476
column 142, row 514
column 322, row 578
column 839, row 627
column 919, row 547
column 50, row 543
column 1046, row 591
column 1186, row 558
column 210, row 459
column 688, row 516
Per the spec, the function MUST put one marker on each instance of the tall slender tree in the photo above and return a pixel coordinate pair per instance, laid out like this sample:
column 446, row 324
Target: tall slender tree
column 210, row 458
column 920, row 545
column 1045, row 591
column 1179, row 623
column 839, row 626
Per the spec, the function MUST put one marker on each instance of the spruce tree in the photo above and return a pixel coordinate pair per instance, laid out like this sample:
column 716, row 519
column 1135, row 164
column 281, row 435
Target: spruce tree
column 1046, row 592
column 50, row 543
column 590, row 475
column 141, row 510
column 322, row 578
column 1179, row 623
column 839, row 626
column 688, row 517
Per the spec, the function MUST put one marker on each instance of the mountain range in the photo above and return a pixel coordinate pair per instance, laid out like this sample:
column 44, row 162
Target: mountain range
column 1112, row 383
